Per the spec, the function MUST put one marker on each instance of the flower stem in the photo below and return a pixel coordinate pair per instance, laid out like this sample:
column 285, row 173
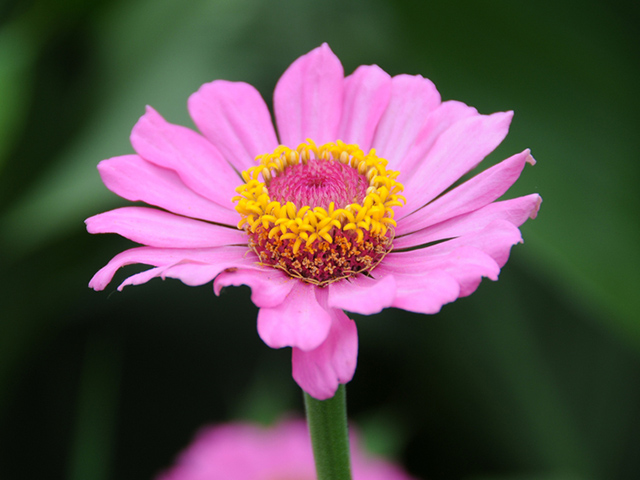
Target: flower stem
column 327, row 420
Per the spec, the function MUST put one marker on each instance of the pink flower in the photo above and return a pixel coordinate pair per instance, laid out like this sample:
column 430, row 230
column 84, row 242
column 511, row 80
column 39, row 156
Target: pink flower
column 320, row 226
column 242, row 451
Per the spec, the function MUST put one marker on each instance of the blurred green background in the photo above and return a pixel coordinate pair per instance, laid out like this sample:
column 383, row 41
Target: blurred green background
column 532, row 377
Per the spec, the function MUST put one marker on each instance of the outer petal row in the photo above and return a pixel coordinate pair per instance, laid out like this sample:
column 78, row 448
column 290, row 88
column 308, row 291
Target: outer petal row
column 413, row 98
column 495, row 239
column 234, row 117
column 366, row 96
column 472, row 195
column 218, row 258
column 308, row 98
column 455, row 152
column 427, row 278
column 439, row 120
column 133, row 178
column 467, row 265
column 157, row 228
column 200, row 165
column 516, row 211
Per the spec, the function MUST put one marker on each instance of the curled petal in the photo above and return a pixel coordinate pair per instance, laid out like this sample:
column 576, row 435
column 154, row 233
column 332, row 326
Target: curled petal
column 362, row 294
column 135, row 179
column 163, row 258
column 157, row 228
column 143, row 277
column 308, row 98
column 269, row 286
column 299, row 321
column 191, row 274
column 320, row 371
column 200, row 165
column 234, row 117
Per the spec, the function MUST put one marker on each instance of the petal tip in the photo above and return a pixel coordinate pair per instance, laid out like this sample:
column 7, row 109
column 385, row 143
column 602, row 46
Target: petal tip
column 325, row 48
column 536, row 207
column 504, row 117
column 150, row 116
column 90, row 224
column 530, row 160
column 96, row 285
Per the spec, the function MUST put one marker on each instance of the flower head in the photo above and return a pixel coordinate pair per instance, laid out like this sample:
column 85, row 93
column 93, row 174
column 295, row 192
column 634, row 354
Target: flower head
column 243, row 451
column 351, row 206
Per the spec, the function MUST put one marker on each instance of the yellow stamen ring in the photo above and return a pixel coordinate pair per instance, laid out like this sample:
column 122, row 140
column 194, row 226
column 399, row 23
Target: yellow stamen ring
column 280, row 233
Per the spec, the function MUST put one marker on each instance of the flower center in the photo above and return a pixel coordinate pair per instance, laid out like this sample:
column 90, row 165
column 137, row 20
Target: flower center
column 318, row 183
column 319, row 213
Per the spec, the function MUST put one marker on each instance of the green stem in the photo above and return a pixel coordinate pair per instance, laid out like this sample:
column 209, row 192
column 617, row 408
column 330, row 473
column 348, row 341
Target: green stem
column 327, row 420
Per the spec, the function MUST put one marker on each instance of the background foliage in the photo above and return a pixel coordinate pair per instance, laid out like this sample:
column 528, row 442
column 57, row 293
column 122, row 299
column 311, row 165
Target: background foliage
column 532, row 377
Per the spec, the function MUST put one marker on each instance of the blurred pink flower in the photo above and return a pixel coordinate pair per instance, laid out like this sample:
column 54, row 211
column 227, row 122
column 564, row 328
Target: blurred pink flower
column 243, row 451
column 319, row 227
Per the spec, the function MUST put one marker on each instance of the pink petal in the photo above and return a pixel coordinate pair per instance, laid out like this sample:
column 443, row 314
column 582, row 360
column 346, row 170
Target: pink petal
column 425, row 277
column 142, row 277
column 456, row 151
column 158, row 228
column 234, row 117
column 200, row 165
column 191, row 274
column 269, row 286
column 366, row 95
column 308, row 98
column 516, row 211
column 425, row 292
column 362, row 294
column 466, row 264
column 475, row 193
column 412, row 98
column 135, row 179
column 495, row 239
column 439, row 120
column 225, row 257
column 300, row 321
column 320, row 371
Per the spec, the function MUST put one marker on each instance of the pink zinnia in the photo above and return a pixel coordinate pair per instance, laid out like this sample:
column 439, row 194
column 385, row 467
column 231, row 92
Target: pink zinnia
column 243, row 451
column 318, row 224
